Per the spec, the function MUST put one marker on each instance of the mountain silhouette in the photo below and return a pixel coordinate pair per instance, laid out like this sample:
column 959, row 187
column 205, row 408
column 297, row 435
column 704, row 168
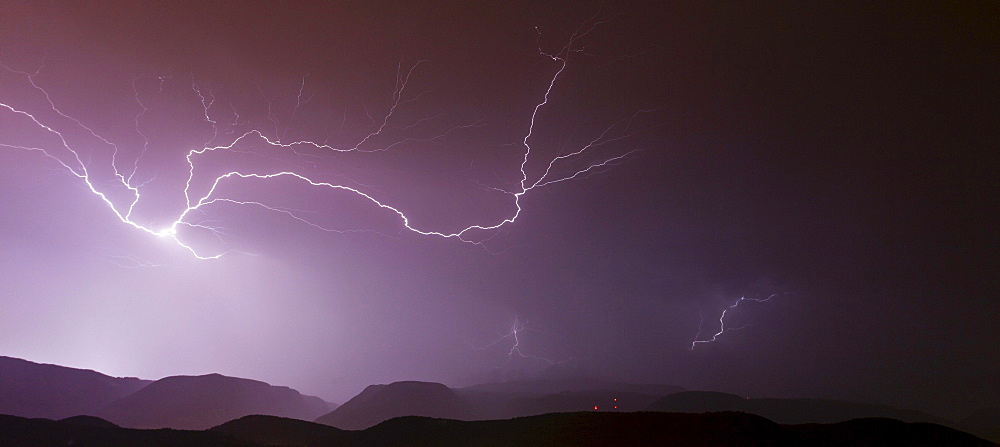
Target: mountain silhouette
column 571, row 401
column 985, row 423
column 23, row 432
column 251, row 413
column 585, row 429
column 37, row 390
column 657, row 429
column 273, row 430
column 88, row 421
column 379, row 403
column 557, row 429
column 787, row 411
column 882, row 432
column 202, row 402
column 506, row 400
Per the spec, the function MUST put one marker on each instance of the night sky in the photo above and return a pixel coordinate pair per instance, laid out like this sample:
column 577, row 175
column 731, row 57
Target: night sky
column 838, row 159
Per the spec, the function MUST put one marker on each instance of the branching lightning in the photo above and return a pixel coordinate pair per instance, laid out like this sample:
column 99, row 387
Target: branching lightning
column 512, row 337
column 722, row 320
column 126, row 181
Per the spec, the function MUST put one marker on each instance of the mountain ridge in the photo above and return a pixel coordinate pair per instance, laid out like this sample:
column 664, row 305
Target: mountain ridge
column 43, row 390
column 204, row 401
column 787, row 410
column 557, row 429
column 377, row 403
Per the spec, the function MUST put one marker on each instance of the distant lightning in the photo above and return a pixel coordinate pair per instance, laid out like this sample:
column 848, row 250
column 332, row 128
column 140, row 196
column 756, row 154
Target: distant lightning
column 131, row 263
column 512, row 337
column 722, row 320
column 69, row 158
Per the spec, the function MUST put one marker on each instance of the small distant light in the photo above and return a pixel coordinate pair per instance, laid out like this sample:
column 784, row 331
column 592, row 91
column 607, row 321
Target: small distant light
column 595, row 407
column 616, row 407
column 616, row 400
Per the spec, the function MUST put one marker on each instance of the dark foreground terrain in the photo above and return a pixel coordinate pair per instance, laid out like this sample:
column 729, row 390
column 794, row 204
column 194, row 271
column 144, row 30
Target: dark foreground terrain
column 577, row 429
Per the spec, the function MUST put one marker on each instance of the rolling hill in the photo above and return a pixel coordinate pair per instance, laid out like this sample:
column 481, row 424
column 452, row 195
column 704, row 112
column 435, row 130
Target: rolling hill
column 786, row 411
column 559, row 429
column 107, row 411
column 379, row 403
column 202, row 402
column 273, row 430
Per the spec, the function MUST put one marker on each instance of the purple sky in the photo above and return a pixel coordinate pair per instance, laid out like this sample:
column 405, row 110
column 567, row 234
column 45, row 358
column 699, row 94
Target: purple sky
column 834, row 156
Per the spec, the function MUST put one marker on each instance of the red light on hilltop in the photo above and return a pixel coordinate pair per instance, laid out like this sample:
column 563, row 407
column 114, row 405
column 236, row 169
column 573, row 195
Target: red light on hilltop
column 595, row 407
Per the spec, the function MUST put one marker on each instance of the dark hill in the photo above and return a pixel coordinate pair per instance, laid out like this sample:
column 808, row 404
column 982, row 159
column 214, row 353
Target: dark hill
column 700, row 402
column 273, row 430
column 201, row 402
column 88, row 421
column 572, row 401
column 504, row 400
column 787, row 411
column 659, row 429
column 22, row 432
column 379, row 403
column 585, row 429
column 984, row 422
column 882, row 432
column 32, row 389
column 559, row 429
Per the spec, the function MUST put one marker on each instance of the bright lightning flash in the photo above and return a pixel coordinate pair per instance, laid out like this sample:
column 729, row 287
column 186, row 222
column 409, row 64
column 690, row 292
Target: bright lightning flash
column 70, row 158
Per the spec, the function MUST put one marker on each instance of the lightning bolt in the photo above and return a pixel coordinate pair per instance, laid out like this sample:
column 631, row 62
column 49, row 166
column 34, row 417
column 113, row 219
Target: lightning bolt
column 125, row 180
column 722, row 320
column 515, row 352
